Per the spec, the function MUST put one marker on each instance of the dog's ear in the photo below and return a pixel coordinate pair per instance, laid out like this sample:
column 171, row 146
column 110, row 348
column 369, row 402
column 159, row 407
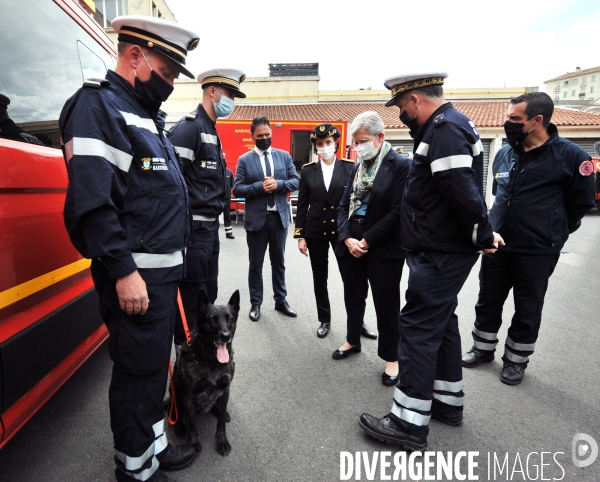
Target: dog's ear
column 203, row 300
column 234, row 301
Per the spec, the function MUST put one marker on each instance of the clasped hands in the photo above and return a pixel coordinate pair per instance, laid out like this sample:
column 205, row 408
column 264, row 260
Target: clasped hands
column 269, row 184
column 357, row 248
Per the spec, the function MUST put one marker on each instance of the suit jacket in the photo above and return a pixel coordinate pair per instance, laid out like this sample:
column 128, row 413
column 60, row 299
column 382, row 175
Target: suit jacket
column 316, row 214
column 382, row 219
column 249, row 177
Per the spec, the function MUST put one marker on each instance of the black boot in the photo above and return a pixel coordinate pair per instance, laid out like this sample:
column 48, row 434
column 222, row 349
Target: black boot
column 176, row 457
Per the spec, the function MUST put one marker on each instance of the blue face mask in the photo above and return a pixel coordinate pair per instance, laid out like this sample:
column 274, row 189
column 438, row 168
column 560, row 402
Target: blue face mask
column 224, row 107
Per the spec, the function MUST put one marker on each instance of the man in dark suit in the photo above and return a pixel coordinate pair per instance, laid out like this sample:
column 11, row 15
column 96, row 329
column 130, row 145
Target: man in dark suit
column 264, row 177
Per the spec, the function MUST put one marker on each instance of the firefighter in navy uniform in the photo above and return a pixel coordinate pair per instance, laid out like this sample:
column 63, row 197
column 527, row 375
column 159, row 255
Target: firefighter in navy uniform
column 197, row 141
column 127, row 209
column 543, row 185
column 444, row 225
column 321, row 189
column 10, row 130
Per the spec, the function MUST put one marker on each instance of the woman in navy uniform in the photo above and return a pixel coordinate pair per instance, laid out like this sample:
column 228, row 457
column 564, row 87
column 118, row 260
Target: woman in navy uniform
column 321, row 188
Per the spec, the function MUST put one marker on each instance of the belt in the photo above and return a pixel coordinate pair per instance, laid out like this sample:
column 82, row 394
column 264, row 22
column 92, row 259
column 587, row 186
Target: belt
column 199, row 217
column 358, row 219
column 272, row 212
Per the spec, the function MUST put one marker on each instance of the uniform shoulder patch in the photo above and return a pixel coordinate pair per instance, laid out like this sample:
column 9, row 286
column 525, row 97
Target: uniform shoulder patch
column 439, row 119
column 309, row 163
column 347, row 160
column 95, row 83
column 586, row 168
column 191, row 116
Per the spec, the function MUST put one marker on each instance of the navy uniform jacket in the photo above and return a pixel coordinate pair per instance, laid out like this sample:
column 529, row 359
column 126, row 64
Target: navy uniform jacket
column 197, row 142
column 443, row 208
column 126, row 201
column 382, row 226
column 316, row 213
column 541, row 195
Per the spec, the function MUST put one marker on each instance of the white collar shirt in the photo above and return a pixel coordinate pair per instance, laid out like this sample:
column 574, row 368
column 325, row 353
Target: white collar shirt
column 261, row 156
column 327, row 173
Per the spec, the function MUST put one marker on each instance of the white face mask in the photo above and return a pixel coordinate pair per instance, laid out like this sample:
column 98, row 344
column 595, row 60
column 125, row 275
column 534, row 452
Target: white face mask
column 326, row 152
column 367, row 150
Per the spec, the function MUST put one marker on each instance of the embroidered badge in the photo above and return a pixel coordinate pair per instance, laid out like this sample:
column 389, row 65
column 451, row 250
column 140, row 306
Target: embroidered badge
column 322, row 128
column 586, row 168
column 146, row 163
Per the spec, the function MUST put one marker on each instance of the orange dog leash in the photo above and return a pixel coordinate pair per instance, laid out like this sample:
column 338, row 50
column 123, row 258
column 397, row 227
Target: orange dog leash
column 173, row 415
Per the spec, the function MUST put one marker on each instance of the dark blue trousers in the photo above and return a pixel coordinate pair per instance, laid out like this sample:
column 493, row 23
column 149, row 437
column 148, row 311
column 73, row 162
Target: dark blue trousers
column 429, row 352
column 273, row 235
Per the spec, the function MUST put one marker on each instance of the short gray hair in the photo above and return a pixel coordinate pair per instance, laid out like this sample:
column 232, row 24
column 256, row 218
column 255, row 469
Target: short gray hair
column 370, row 121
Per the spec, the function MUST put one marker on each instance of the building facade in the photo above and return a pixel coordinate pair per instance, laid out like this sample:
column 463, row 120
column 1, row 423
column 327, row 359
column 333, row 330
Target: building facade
column 573, row 88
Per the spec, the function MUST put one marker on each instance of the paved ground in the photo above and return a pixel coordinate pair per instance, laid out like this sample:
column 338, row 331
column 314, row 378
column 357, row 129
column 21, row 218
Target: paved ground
column 294, row 409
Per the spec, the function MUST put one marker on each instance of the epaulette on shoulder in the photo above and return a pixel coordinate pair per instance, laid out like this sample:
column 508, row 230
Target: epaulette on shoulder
column 95, row 83
column 191, row 116
column 438, row 119
column 309, row 163
column 347, row 160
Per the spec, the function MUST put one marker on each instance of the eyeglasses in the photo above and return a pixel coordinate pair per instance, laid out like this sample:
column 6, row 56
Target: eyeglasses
column 356, row 144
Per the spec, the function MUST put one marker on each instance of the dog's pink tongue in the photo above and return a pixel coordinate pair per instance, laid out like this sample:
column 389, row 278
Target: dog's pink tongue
column 222, row 353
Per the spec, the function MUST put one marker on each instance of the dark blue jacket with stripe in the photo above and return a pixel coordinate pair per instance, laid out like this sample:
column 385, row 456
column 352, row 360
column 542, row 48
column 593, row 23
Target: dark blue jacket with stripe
column 541, row 194
column 443, row 209
column 126, row 201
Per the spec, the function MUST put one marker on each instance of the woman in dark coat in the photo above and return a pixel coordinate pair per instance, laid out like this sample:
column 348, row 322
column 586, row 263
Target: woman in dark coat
column 322, row 185
column 369, row 240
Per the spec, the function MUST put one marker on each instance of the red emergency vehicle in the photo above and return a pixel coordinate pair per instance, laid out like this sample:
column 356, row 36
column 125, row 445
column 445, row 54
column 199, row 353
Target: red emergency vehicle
column 49, row 321
column 291, row 136
column 596, row 161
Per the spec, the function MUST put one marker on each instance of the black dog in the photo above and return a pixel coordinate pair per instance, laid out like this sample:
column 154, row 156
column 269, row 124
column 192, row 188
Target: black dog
column 205, row 369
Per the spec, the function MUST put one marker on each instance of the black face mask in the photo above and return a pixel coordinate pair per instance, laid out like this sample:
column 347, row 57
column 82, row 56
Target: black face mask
column 263, row 144
column 155, row 89
column 412, row 124
column 514, row 131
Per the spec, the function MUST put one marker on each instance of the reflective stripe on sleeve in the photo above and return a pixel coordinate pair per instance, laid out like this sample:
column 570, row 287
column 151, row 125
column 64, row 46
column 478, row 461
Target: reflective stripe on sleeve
column 151, row 260
column 474, row 235
column 477, row 148
column 135, row 463
column 85, row 146
column 401, row 399
column 484, row 346
column 185, row 152
column 160, row 440
column 136, row 120
column 450, row 399
column 451, row 162
column 410, row 416
column 515, row 358
column 520, row 346
column 199, row 217
column 423, row 149
column 209, row 138
column 485, row 335
column 448, row 386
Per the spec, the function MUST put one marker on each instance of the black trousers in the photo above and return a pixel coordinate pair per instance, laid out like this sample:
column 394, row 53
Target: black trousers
column 273, row 235
column 202, row 271
column 429, row 352
column 527, row 275
column 384, row 277
column 227, row 214
column 140, row 348
column 318, row 252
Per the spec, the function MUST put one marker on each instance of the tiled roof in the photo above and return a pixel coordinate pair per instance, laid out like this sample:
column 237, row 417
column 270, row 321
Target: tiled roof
column 483, row 114
column 577, row 73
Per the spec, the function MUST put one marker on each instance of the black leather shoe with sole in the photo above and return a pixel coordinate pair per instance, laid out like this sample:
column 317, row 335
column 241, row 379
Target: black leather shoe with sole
column 341, row 354
column 285, row 309
column 474, row 357
column 367, row 332
column 512, row 374
column 176, row 457
column 388, row 380
column 387, row 431
column 254, row 312
column 453, row 422
column 323, row 330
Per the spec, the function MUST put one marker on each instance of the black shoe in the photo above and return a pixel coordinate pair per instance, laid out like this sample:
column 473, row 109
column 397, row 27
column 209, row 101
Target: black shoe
column 176, row 457
column 388, row 380
column 230, row 236
column 512, row 374
column 323, row 330
column 367, row 333
column 254, row 312
column 474, row 357
column 387, row 431
column 341, row 354
column 453, row 422
column 285, row 309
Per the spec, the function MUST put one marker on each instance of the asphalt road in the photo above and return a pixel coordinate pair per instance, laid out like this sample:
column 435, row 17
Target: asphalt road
column 294, row 409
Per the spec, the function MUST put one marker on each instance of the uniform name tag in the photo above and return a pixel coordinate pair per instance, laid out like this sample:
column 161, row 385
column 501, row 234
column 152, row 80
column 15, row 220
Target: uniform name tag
column 502, row 174
column 159, row 164
column 208, row 164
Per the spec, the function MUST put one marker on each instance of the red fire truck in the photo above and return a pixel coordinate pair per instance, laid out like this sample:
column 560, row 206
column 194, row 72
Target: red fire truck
column 291, row 136
column 49, row 321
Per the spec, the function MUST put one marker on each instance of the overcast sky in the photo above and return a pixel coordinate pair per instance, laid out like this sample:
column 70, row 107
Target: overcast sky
column 358, row 44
